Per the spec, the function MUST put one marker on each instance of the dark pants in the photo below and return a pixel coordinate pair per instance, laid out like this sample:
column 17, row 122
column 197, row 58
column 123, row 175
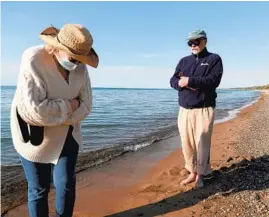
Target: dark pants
column 38, row 176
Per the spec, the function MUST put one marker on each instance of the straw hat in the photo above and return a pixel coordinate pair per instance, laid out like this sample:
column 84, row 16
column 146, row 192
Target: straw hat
column 75, row 40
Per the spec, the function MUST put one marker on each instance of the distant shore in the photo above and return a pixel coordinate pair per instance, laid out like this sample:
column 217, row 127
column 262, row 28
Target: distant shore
column 257, row 88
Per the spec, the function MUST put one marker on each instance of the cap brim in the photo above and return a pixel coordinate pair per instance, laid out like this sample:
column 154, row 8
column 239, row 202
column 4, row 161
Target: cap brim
column 194, row 38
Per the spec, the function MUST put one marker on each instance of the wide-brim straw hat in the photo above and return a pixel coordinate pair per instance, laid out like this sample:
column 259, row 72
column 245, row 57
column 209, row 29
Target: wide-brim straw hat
column 75, row 40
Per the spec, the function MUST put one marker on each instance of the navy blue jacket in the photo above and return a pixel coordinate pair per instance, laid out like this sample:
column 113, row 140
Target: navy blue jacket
column 205, row 72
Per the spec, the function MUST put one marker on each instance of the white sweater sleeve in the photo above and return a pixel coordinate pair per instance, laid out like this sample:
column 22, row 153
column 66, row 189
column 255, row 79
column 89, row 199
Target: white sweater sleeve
column 32, row 103
column 85, row 99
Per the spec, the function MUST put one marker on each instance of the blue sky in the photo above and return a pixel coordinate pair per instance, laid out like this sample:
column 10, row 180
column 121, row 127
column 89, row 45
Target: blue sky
column 140, row 43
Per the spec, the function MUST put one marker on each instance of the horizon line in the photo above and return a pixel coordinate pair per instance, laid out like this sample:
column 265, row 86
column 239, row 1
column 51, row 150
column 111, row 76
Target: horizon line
column 147, row 88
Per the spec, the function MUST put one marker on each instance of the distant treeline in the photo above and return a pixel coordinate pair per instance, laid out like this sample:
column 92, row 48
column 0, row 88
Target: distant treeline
column 264, row 87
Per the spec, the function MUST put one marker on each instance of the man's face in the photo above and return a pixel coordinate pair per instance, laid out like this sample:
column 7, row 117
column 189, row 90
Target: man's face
column 197, row 45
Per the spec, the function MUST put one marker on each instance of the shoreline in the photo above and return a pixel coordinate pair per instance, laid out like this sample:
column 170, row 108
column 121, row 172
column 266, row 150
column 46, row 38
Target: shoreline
column 235, row 112
column 136, row 188
column 85, row 162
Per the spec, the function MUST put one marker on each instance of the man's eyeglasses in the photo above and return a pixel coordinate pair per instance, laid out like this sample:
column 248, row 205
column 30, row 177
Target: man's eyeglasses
column 195, row 42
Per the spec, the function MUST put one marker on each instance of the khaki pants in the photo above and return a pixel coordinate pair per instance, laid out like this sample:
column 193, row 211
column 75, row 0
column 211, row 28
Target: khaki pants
column 195, row 128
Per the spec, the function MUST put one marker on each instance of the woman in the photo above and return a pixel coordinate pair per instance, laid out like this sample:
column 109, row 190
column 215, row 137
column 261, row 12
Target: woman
column 53, row 96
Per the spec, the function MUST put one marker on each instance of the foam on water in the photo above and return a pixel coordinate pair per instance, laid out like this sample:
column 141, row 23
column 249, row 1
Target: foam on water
column 233, row 113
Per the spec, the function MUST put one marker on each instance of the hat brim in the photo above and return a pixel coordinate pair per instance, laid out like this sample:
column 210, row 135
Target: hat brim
column 49, row 37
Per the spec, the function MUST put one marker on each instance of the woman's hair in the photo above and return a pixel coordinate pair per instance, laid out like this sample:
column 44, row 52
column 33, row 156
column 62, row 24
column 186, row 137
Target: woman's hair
column 51, row 49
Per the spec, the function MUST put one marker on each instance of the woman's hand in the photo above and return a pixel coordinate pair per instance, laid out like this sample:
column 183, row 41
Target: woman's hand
column 74, row 104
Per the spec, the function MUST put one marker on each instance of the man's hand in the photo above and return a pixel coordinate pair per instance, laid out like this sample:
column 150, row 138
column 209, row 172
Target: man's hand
column 74, row 104
column 183, row 82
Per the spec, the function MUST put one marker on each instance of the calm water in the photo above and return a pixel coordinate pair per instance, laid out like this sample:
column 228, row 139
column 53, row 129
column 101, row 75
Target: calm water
column 130, row 118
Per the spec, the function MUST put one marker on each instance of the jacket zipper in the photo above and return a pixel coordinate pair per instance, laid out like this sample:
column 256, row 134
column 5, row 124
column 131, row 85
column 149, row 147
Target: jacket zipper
column 193, row 69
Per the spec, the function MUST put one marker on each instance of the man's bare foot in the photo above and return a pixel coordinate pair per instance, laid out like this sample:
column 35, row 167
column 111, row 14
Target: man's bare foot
column 191, row 178
column 199, row 183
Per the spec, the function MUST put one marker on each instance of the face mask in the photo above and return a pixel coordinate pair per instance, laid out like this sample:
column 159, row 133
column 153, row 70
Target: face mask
column 66, row 64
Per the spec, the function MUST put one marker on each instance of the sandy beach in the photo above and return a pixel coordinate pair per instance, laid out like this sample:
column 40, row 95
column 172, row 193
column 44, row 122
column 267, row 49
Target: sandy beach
column 146, row 183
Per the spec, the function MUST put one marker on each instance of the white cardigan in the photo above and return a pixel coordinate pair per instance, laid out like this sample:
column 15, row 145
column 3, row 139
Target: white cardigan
column 42, row 99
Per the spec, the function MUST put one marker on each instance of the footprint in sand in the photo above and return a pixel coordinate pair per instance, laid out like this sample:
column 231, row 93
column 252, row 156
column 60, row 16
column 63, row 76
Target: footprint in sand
column 153, row 188
column 177, row 171
column 164, row 175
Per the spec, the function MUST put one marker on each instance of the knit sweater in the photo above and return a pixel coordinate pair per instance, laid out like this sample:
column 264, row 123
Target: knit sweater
column 41, row 113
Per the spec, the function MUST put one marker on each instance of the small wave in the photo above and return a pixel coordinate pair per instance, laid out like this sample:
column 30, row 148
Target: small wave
column 233, row 113
column 131, row 148
column 103, row 154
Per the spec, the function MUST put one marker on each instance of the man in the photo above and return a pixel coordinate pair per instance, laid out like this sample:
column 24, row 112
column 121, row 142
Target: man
column 196, row 78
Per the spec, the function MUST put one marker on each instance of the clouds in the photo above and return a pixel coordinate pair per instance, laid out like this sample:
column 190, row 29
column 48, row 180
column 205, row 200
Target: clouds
column 154, row 70
column 131, row 76
column 127, row 76
column 244, row 78
column 160, row 54
column 150, row 55
column 135, row 76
